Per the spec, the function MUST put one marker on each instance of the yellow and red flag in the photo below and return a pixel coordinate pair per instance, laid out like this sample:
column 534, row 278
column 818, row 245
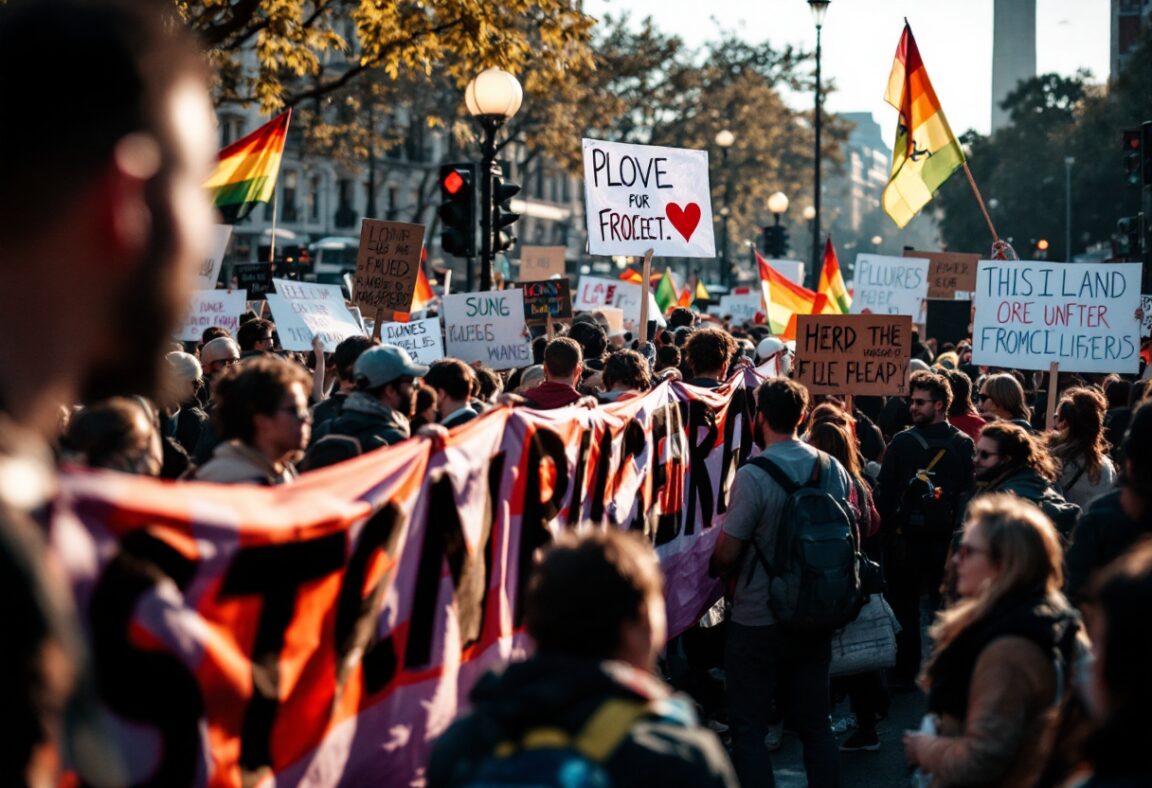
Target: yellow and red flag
column 245, row 174
column 685, row 297
column 926, row 152
column 832, row 281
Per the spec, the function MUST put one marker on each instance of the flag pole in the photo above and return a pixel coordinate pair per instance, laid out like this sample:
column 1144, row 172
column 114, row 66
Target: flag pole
column 980, row 202
column 275, row 210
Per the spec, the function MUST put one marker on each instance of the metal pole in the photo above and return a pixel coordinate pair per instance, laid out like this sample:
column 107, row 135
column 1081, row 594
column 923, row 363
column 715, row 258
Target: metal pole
column 1068, row 162
column 816, row 180
column 487, row 158
column 726, row 266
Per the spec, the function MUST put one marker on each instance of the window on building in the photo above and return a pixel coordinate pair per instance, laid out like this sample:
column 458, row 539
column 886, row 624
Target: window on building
column 314, row 199
column 289, row 194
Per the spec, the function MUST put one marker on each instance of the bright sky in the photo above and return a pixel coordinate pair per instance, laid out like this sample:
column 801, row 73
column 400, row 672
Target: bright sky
column 860, row 38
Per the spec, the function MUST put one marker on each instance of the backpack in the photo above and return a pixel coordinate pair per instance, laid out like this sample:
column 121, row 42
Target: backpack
column 929, row 505
column 551, row 756
column 814, row 576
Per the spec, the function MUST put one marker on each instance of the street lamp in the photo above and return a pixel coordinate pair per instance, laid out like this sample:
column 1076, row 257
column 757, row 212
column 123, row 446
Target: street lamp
column 493, row 97
column 818, row 8
column 724, row 141
column 774, row 236
column 1068, row 162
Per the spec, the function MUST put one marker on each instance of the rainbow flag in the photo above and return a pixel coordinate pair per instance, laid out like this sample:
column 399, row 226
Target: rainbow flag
column 926, row 152
column 246, row 173
column 629, row 275
column 667, row 294
column 685, row 297
column 832, row 282
column 784, row 299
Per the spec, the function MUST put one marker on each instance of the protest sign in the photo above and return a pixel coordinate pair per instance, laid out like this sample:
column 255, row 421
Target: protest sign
column 742, row 307
column 792, row 270
column 1146, row 319
column 642, row 197
column 213, row 308
column 948, row 321
column 890, row 286
column 421, row 338
column 387, row 265
column 302, row 310
column 1080, row 315
column 541, row 262
column 615, row 317
column 853, row 354
column 256, row 278
column 210, row 266
column 593, row 292
column 951, row 275
column 487, row 327
column 549, row 297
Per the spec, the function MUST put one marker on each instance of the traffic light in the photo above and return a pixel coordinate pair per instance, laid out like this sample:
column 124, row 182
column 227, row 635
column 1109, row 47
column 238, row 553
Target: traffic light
column 775, row 241
column 1133, row 161
column 458, row 209
column 1146, row 151
column 1126, row 239
column 502, row 215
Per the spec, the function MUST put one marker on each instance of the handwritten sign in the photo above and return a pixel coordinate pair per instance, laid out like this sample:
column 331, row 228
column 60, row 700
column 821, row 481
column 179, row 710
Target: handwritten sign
column 951, row 275
column 643, row 197
column 210, row 267
column 853, row 354
column 550, row 297
column 306, row 309
column 256, row 278
column 595, row 291
column 890, row 286
column 541, row 262
column 1081, row 315
column 421, row 338
column 387, row 265
column 487, row 327
column 213, row 308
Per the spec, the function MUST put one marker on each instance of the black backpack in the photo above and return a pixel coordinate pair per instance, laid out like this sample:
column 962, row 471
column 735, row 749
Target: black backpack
column 814, row 575
column 929, row 505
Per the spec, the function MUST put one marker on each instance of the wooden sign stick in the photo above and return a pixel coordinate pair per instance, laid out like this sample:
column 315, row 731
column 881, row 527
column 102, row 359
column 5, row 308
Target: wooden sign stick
column 379, row 322
column 550, row 328
column 849, row 403
column 645, row 295
column 1053, row 377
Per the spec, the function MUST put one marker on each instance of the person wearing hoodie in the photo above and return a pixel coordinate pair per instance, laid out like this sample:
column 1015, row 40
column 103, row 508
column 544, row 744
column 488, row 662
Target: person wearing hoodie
column 563, row 365
column 587, row 702
column 377, row 414
column 1011, row 459
column 994, row 681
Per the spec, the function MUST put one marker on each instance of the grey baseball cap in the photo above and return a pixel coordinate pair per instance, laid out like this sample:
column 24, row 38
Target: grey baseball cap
column 383, row 364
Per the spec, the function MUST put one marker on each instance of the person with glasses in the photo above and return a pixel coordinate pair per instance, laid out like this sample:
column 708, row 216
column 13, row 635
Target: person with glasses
column 1001, row 398
column 378, row 413
column 926, row 474
column 256, row 337
column 263, row 420
column 1001, row 653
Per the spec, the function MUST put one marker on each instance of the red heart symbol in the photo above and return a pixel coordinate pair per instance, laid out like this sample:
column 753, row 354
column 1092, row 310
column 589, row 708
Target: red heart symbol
column 683, row 219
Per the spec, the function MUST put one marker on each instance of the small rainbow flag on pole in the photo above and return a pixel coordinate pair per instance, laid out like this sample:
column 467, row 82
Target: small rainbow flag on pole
column 832, row 281
column 246, row 173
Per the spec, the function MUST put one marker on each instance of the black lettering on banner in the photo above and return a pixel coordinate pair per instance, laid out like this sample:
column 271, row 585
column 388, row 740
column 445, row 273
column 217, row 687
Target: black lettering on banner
column 742, row 408
column 632, row 445
column 275, row 573
column 600, row 483
column 150, row 687
column 444, row 541
column 577, row 501
column 356, row 614
column 667, row 439
column 699, row 415
column 544, row 446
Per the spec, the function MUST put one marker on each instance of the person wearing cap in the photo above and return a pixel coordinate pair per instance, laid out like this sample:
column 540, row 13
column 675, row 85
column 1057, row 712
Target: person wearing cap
column 377, row 413
column 216, row 354
column 774, row 348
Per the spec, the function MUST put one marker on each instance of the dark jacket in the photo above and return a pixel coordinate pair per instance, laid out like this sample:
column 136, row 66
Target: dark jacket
column 550, row 395
column 367, row 420
column 1103, row 533
column 667, row 748
column 1026, row 483
column 327, row 410
column 185, row 426
column 905, row 456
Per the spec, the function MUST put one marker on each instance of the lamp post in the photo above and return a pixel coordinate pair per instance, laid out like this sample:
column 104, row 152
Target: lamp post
column 809, row 213
column 818, row 8
column 492, row 97
column 1068, row 162
column 724, row 140
column 773, row 236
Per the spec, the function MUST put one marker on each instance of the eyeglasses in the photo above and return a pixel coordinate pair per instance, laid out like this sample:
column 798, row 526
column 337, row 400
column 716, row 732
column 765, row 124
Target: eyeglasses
column 985, row 454
column 966, row 551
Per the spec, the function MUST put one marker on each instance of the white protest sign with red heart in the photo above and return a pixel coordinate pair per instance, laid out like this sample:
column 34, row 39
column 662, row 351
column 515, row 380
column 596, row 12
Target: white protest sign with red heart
column 642, row 197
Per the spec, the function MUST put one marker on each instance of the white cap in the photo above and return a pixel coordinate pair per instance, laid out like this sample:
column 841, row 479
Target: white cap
column 768, row 347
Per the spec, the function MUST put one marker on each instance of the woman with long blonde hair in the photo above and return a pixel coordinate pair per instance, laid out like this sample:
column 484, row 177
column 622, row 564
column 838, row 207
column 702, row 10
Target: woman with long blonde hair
column 1001, row 653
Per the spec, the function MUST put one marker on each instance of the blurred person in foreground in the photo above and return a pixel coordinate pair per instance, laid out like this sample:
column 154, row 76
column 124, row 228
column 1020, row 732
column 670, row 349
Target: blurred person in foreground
column 103, row 214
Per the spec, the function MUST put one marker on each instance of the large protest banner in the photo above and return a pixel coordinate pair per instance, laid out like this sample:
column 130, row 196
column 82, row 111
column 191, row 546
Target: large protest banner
column 487, row 327
column 387, row 265
column 1081, row 315
column 644, row 197
column 326, row 632
column 421, row 338
column 951, row 275
column 854, row 354
column 212, row 308
column 890, row 286
column 303, row 310
column 541, row 262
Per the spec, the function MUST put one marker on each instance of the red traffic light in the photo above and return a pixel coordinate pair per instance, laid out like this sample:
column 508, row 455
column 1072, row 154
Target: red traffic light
column 1132, row 140
column 453, row 182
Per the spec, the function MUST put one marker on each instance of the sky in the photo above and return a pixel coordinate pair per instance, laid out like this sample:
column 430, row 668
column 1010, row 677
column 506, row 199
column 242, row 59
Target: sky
column 860, row 36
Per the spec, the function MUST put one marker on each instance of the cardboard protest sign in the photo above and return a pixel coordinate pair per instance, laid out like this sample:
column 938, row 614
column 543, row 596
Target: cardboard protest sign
column 302, row 310
column 1080, row 315
column 951, row 275
column 853, row 354
column 550, row 297
column 421, row 338
column 541, row 262
column 615, row 318
column 387, row 265
column 213, row 308
column 1146, row 320
column 947, row 321
column 487, row 327
column 642, row 197
column 890, row 286
column 256, row 278
column 210, row 266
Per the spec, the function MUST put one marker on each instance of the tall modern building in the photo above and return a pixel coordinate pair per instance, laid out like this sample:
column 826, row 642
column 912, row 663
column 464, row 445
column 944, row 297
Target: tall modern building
column 1013, row 51
column 1128, row 20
